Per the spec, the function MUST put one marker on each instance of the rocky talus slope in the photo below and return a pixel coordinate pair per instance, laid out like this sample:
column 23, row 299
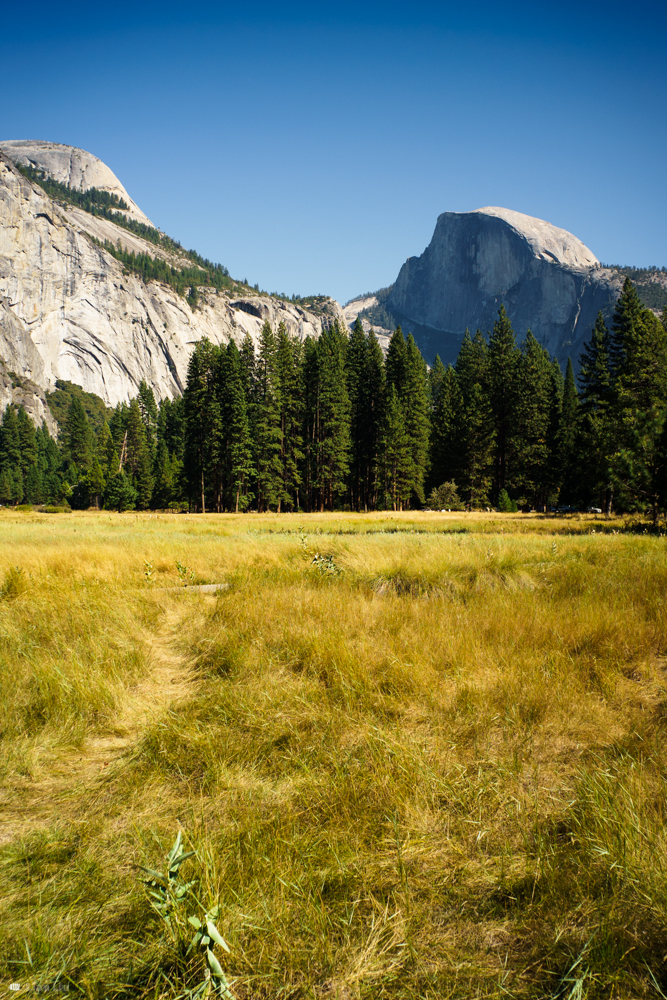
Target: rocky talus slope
column 547, row 279
column 69, row 310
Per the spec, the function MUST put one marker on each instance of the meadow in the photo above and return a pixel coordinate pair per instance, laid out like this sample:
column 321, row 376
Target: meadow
column 416, row 755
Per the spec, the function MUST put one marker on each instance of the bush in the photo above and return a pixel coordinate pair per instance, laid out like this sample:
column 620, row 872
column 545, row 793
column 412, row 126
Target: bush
column 51, row 508
column 445, row 497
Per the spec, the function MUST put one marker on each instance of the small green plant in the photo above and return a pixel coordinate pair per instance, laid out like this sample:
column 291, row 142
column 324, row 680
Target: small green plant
column 326, row 565
column 149, row 571
column 185, row 575
column 168, row 892
column 14, row 584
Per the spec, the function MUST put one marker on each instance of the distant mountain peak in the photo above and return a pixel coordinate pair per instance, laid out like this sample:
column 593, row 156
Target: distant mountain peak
column 72, row 166
column 548, row 241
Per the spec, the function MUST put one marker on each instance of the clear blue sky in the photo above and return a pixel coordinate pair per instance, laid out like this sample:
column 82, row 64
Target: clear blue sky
column 311, row 147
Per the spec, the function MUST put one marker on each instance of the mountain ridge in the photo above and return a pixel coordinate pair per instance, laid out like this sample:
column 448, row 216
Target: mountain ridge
column 70, row 310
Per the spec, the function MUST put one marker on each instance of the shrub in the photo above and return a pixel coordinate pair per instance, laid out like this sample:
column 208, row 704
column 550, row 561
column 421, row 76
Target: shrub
column 445, row 497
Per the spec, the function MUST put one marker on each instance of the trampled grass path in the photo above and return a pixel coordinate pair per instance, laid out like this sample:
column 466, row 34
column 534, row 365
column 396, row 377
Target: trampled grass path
column 63, row 784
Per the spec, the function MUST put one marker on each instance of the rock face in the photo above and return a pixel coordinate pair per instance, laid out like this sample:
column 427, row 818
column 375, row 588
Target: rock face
column 547, row 279
column 68, row 310
column 68, row 165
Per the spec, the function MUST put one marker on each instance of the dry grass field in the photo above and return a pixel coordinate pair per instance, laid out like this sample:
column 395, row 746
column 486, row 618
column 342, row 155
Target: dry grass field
column 416, row 756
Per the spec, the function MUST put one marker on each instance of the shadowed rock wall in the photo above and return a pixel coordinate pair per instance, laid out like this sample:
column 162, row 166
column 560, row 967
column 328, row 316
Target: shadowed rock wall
column 546, row 278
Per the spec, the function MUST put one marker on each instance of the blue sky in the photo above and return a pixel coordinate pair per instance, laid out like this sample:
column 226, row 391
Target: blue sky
column 310, row 148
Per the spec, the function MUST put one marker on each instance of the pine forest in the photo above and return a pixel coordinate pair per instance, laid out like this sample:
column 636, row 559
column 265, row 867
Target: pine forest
column 337, row 424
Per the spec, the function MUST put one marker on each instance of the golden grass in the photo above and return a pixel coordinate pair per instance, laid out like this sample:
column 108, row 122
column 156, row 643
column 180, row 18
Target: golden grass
column 429, row 765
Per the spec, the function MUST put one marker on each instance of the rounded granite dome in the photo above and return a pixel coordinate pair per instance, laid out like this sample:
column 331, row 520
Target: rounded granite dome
column 547, row 241
column 69, row 165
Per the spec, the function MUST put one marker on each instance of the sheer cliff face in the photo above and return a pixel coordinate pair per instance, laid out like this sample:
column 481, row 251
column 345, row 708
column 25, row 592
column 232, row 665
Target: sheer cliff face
column 68, row 311
column 547, row 279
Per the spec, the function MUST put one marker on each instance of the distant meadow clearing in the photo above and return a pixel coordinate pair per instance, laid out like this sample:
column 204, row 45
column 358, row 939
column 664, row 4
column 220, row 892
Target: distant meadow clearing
column 415, row 755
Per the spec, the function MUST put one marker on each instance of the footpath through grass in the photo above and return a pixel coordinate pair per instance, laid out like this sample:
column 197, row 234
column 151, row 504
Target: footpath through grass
column 416, row 755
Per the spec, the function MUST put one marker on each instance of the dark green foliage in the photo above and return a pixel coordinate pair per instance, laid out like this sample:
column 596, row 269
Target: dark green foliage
column 568, row 426
column 331, row 423
column 396, row 464
column 184, row 278
column 60, row 399
column 415, row 404
column 78, row 439
column 502, row 391
column 445, row 497
column 333, row 418
column 288, row 372
column 120, row 494
column 267, row 423
column 364, row 371
column 92, row 200
column 505, row 504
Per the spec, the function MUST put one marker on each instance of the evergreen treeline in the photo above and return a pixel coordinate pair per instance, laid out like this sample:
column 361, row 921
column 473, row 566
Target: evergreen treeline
column 156, row 269
column 333, row 423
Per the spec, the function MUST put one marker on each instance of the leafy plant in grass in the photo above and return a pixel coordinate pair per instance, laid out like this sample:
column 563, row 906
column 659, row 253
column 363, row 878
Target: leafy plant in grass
column 168, row 894
column 326, row 565
column 185, row 575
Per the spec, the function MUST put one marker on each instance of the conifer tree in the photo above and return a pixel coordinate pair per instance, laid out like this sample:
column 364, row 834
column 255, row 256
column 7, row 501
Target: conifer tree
column 333, row 445
column 236, row 431
column 137, row 456
column 10, row 457
column 95, row 483
column 202, row 423
column 594, row 370
column 503, row 361
column 415, row 407
column 447, row 426
column 120, row 494
column 567, row 436
column 149, row 415
column 478, row 447
column 78, row 436
column 641, row 378
column 472, row 364
column 597, row 432
column 396, row 362
column 627, row 314
column 267, row 422
column 537, row 396
column 639, row 467
column 374, row 395
column 311, row 422
column 288, row 375
column 355, row 376
column 27, row 442
column 396, row 458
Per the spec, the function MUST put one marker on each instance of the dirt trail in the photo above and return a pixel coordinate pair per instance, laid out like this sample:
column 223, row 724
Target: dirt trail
column 72, row 775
